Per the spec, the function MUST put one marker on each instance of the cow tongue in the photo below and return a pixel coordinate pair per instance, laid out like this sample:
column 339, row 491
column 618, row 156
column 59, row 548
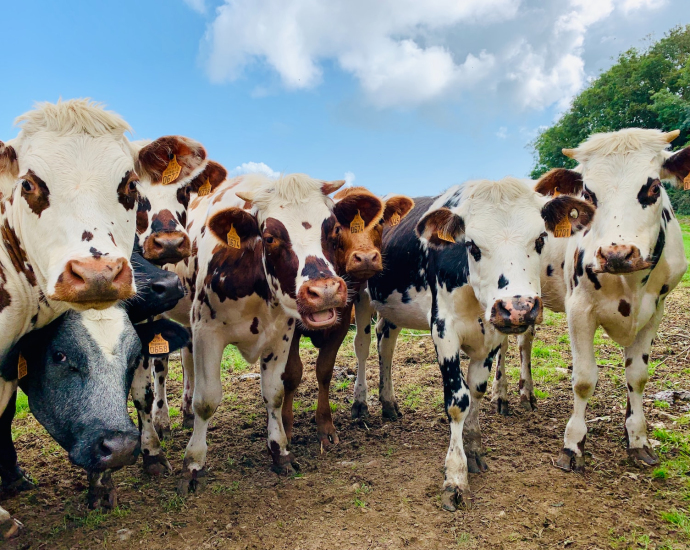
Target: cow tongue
column 322, row 316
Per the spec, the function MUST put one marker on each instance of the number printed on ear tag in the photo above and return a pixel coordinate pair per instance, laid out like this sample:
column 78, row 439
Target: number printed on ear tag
column 395, row 219
column 233, row 238
column 158, row 345
column 22, row 369
column 563, row 229
column 357, row 224
column 205, row 189
column 172, row 171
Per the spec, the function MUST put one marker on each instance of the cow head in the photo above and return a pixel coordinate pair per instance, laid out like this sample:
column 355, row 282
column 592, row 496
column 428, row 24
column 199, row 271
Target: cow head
column 502, row 226
column 356, row 237
column 291, row 216
column 162, row 208
column 619, row 174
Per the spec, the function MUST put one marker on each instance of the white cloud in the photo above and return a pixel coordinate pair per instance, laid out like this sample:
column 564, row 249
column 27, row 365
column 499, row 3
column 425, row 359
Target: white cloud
column 404, row 52
column 254, row 167
column 198, row 6
column 502, row 132
column 349, row 179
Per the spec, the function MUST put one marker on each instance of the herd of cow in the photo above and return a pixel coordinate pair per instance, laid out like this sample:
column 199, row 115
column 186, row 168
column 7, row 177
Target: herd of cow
column 100, row 235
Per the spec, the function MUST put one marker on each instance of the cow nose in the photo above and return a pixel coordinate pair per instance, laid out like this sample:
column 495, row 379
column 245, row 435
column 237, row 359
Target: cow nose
column 620, row 258
column 99, row 280
column 363, row 264
column 168, row 289
column 318, row 300
column 167, row 248
column 326, row 291
column 118, row 449
column 515, row 315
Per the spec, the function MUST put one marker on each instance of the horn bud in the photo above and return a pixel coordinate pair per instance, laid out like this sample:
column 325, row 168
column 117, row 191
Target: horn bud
column 570, row 153
column 670, row 136
column 329, row 187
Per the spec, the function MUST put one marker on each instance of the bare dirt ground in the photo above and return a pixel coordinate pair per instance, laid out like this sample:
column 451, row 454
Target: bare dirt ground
column 380, row 488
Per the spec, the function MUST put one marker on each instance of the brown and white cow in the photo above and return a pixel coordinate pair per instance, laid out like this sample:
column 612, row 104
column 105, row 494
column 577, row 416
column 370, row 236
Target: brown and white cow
column 67, row 222
column 619, row 273
column 357, row 257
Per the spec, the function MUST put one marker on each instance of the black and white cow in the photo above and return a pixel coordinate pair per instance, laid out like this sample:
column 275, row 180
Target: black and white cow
column 465, row 264
column 619, row 273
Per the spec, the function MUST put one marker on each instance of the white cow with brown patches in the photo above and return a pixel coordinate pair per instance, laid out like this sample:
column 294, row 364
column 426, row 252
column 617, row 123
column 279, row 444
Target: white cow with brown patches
column 619, row 273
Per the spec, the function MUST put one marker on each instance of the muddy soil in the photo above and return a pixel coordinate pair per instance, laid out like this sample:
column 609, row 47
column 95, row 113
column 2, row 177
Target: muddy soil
column 380, row 488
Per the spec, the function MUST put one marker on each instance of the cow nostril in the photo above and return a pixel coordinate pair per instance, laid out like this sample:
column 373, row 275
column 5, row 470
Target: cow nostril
column 357, row 258
column 312, row 293
column 158, row 288
column 105, row 449
column 76, row 272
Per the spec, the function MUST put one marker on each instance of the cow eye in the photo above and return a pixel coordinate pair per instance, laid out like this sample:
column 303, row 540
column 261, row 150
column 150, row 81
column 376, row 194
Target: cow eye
column 59, row 357
column 587, row 196
column 539, row 243
column 269, row 240
column 28, row 186
column 132, row 187
column 656, row 189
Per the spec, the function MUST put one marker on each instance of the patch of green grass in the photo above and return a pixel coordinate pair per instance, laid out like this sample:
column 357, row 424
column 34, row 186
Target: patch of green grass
column 334, row 406
column 661, row 405
column 343, row 384
column 551, row 318
column 22, row 407
column 233, row 361
column 220, row 489
column 679, row 518
column 412, row 396
column 173, row 411
column 541, row 394
column 685, row 229
column 173, row 504
column 360, row 494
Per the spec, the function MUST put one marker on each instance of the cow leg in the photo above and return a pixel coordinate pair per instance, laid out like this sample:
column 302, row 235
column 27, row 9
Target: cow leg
column 387, row 335
column 477, row 379
column 188, row 386
column 102, row 492
column 581, row 326
column 636, row 374
column 499, row 392
column 161, row 413
column 208, row 393
column 363, row 313
column 291, row 380
column 13, row 477
column 155, row 462
column 528, row 400
column 325, row 363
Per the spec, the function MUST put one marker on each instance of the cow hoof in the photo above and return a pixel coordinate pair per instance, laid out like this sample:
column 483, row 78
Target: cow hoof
column 17, row 482
column 568, row 461
column 188, row 421
column 475, row 462
column 528, row 403
column 453, row 498
column 644, row 454
column 103, row 497
column 156, row 465
column 359, row 410
column 192, row 482
column 502, row 407
column 390, row 410
column 164, row 432
column 15, row 529
column 285, row 465
column 328, row 439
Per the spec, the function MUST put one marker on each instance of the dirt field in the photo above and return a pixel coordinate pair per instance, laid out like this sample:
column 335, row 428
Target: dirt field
column 380, row 488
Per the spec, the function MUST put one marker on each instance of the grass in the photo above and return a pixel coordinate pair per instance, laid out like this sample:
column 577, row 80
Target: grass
column 685, row 229
column 22, row 405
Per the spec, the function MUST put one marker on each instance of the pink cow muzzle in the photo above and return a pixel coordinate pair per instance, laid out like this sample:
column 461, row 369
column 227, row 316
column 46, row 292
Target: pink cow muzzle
column 619, row 259
column 515, row 315
column 95, row 282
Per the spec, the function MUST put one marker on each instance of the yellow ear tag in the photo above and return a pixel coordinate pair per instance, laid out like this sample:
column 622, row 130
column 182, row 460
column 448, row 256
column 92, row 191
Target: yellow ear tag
column 556, row 193
column 395, row 219
column 205, row 189
column 562, row 229
column 159, row 345
column 686, row 182
column 22, row 370
column 172, row 171
column 357, row 224
column 444, row 236
column 233, row 238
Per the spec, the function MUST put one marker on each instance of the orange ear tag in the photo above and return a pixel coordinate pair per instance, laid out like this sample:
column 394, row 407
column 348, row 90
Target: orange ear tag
column 159, row 345
column 172, row 171
column 357, row 224
column 233, row 238
column 556, row 193
column 205, row 189
column 563, row 228
column 395, row 219
column 686, row 182
column 22, row 369
column 445, row 236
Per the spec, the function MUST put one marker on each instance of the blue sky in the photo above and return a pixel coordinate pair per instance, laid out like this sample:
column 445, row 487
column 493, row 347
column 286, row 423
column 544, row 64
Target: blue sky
column 405, row 96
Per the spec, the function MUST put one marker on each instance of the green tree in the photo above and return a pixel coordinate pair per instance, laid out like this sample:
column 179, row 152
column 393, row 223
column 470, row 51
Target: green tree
column 648, row 89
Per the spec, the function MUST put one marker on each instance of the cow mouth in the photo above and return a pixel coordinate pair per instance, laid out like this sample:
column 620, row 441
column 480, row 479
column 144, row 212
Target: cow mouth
column 321, row 319
column 512, row 329
column 363, row 274
column 622, row 268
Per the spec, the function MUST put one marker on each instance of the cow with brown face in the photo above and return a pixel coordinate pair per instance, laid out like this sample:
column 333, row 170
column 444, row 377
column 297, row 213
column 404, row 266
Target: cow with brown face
column 259, row 269
column 355, row 242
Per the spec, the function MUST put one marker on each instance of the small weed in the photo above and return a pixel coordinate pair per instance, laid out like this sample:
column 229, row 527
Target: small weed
column 661, row 405
column 173, row 504
column 412, row 395
column 678, row 518
column 22, row 406
column 174, row 412
column 541, row 394
column 343, row 384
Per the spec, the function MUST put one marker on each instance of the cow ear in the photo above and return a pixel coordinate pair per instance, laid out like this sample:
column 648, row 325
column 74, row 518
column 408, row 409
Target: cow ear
column 175, row 334
column 234, row 226
column 579, row 213
column 214, row 174
column 397, row 204
column 567, row 182
column 329, row 187
column 9, row 166
column 441, row 228
column 677, row 167
column 171, row 160
column 364, row 204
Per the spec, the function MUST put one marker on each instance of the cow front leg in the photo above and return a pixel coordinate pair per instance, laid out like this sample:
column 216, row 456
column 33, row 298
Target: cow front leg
column 581, row 326
column 187, row 386
column 291, row 380
column 155, row 462
column 325, row 363
column 499, row 391
column 102, row 492
column 528, row 400
column 636, row 374
column 14, row 479
column 208, row 393
column 161, row 413
column 363, row 313
column 477, row 380
column 387, row 335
